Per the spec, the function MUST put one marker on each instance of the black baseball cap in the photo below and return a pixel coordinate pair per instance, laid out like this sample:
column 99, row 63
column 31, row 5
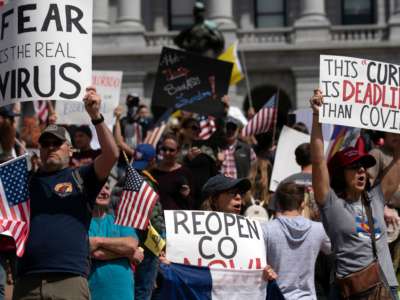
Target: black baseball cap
column 56, row 131
column 220, row 183
column 7, row 112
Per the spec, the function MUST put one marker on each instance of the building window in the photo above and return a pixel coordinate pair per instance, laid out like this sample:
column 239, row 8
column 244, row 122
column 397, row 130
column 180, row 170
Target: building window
column 180, row 14
column 357, row 12
column 270, row 13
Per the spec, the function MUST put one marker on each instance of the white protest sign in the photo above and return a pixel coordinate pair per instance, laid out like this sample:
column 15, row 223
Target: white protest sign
column 108, row 86
column 214, row 239
column 360, row 93
column 285, row 160
column 45, row 50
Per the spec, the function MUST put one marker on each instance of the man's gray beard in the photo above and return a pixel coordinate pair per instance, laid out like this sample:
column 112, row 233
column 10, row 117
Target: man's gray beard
column 55, row 166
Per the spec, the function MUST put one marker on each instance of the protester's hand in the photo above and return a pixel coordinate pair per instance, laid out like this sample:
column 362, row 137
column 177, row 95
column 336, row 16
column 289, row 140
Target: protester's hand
column 391, row 216
column 163, row 259
column 92, row 103
column 193, row 153
column 138, row 256
column 118, row 111
column 251, row 112
column 94, row 244
column 52, row 119
column 316, row 101
column 220, row 156
column 184, row 190
column 269, row 273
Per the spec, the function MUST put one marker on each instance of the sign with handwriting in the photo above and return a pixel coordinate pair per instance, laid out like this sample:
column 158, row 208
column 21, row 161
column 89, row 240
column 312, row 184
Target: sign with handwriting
column 191, row 82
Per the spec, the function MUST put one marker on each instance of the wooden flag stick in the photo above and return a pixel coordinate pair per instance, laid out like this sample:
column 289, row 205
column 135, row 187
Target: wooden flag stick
column 126, row 158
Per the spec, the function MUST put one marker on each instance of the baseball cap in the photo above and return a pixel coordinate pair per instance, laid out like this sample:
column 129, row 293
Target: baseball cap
column 55, row 131
column 232, row 120
column 7, row 111
column 221, row 183
column 144, row 153
column 348, row 156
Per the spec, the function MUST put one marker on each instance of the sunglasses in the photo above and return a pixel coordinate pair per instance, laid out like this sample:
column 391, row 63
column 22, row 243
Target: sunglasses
column 355, row 166
column 166, row 149
column 51, row 143
column 235, row 192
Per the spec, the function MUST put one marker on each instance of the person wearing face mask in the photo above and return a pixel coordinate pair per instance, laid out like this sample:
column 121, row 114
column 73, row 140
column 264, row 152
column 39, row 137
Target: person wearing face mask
column 235, row 157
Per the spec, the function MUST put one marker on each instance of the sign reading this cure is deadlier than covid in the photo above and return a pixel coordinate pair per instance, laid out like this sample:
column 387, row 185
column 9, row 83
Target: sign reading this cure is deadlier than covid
column 214, row 239
column 360, row 93
column 45, row 50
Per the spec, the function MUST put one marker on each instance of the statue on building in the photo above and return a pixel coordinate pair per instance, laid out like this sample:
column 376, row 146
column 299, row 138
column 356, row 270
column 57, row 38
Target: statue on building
column 203, row 37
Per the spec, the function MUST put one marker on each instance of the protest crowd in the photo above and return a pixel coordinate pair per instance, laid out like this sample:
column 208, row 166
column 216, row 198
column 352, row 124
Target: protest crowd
column 180, row 199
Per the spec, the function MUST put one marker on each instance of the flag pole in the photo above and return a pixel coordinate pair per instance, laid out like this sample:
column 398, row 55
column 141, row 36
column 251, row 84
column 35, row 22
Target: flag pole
column 275, row 119
column 126, row 157
column 246, row 77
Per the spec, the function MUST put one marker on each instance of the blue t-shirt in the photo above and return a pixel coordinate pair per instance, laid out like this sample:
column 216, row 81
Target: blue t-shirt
column 112, row 279
column 60, row 217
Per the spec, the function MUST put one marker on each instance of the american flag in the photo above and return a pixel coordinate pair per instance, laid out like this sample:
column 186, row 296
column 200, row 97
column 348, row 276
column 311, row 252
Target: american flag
column 137, row 201
column 14, row 202
column 263, row 120
column 41, row 110
column 154, row 135
column 207, row 127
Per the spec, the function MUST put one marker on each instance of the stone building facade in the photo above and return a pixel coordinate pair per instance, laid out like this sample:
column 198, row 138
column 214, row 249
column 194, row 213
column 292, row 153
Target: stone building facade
column 280, row 40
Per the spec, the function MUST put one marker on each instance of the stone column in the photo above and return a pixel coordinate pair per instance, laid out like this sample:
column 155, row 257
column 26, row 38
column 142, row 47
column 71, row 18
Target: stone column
column 312, row 24
column 221, row 13
column 130, row 14
column 306, row 78
column 381, row 12
column 100, row 13
column 394, row 22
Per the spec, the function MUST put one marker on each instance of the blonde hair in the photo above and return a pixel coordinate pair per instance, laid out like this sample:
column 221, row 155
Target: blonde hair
column 259, row 184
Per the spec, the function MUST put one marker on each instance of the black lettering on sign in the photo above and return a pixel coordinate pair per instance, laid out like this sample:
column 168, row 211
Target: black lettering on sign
column 53, row 14
column 196, row 222
column 22, row 19
column 75, row 83
column 180, row 218
column 202, row 253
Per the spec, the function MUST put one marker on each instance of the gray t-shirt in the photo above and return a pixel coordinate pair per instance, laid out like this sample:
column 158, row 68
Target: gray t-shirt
column 347, row 226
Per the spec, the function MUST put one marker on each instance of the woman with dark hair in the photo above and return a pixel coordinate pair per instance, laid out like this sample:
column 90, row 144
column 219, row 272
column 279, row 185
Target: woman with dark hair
column 351, row 211
column 174, row 180
column 225, row 194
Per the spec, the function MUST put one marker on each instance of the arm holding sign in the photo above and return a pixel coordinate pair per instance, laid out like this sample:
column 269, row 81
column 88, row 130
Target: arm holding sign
column 320, row 174
column 109, row 150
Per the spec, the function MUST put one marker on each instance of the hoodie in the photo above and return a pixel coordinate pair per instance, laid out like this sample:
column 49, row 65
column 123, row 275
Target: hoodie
column 292, row 245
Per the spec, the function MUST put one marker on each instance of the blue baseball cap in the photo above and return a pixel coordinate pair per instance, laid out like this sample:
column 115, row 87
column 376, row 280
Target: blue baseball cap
column 144, row 153
column 220, row 183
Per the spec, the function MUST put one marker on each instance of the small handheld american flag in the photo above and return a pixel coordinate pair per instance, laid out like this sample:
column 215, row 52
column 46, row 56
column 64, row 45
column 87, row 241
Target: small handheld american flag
column 14, row 202
column 207, row 127
column 263, row 120
column 137, row 201
column 154, row 135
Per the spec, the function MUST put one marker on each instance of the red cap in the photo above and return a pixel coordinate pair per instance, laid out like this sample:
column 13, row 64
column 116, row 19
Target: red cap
column 349, row 156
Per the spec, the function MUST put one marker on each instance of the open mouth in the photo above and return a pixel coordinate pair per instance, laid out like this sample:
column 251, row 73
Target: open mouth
column 237, row 207
column 361, row 180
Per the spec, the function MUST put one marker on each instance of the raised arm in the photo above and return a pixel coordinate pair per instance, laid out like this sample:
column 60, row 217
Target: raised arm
column 119, row 139
column 391, row 176
column 320, row 174
column 109, row 150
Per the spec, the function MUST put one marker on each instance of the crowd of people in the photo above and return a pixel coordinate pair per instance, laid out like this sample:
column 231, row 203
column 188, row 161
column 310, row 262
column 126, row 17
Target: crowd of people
column 317, row 225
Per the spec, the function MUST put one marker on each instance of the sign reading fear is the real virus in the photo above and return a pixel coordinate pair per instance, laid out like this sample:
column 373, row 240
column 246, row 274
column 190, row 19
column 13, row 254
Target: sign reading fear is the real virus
column 45, row 50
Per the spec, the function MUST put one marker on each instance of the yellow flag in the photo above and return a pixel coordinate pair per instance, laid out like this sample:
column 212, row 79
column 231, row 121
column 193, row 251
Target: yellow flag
column 154, row 242
column 231, row 55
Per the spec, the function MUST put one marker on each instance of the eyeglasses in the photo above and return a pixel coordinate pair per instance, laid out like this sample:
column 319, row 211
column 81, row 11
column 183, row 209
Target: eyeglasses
column 166, row 149
column 51, row 143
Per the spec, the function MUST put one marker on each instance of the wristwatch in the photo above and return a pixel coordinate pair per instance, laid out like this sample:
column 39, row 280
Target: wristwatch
column 98, row 121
